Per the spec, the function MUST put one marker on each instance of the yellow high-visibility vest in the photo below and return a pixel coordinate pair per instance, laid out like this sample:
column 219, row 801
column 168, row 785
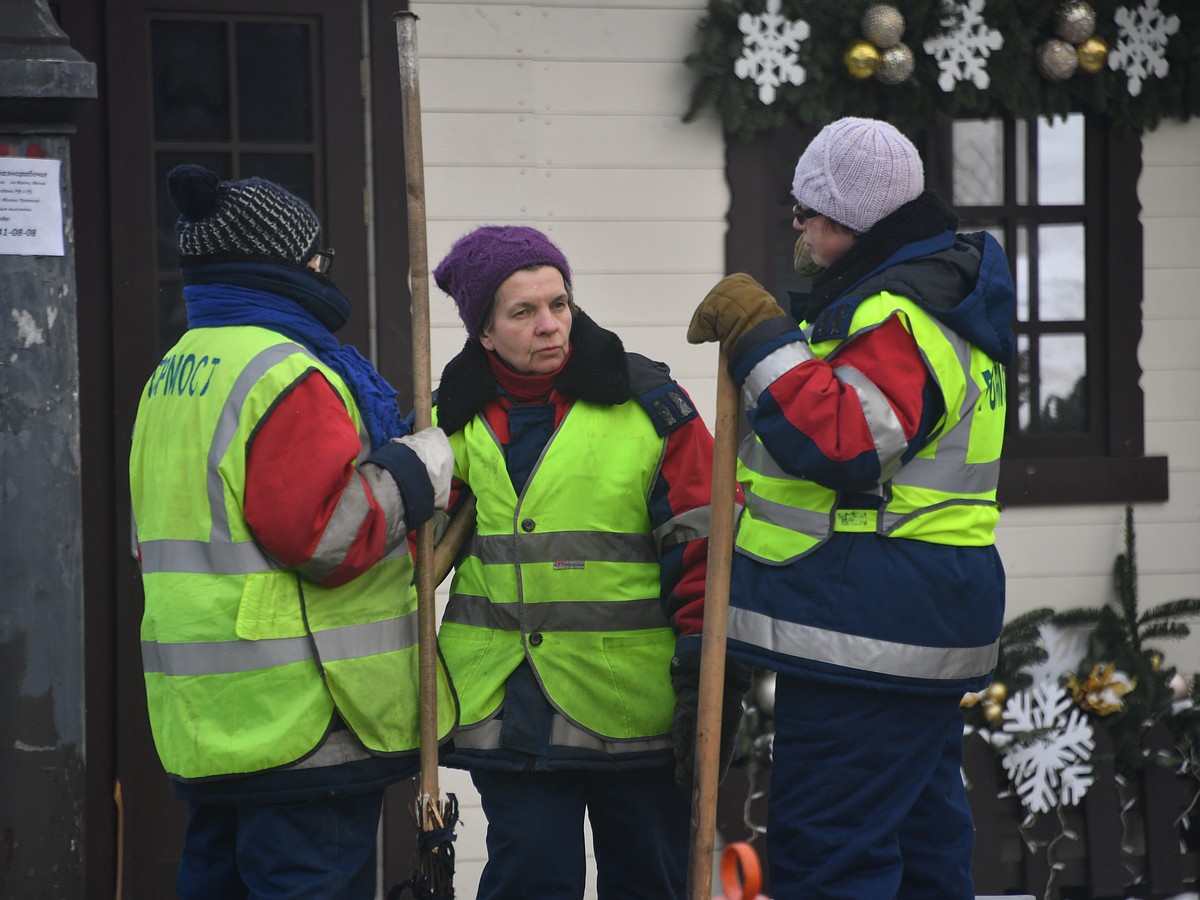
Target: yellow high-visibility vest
column 245, row 660
column 946, row 494
column 565, row 575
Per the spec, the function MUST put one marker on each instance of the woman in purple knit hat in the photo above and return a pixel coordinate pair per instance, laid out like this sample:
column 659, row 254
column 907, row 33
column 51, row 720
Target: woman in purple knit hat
column 572, row 633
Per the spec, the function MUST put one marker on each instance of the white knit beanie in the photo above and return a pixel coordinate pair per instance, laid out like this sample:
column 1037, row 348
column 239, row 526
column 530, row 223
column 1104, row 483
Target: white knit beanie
column 858, row 171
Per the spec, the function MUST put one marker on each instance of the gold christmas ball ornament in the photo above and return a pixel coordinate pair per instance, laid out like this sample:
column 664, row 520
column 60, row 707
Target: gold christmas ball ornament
column 1056, row 60
column 861, row 59
column 1074, row 21
column 895, row 64
column 1093, row 54
column 969, row 699
column 997, row 692
column 882, row 25
column 993, row 712
column 1155, row 662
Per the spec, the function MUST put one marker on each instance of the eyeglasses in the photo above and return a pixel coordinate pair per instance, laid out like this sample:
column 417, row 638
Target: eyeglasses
column 802, row 214
column 322, row 261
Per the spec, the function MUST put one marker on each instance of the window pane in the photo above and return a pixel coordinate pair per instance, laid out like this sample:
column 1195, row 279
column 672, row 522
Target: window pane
column 191, row 81
column 168, row 243
column 289, row 170
column 978, row 162
column 1061, row 287
column 274, row 83
column 1022, row 276
column 1062, row 387
column 1060, row 161
column 1021, row 163
column 1024, row 380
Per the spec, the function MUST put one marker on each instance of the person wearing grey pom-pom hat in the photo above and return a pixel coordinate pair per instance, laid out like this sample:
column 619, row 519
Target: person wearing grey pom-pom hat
column 273, row 482
column 574, row 622
column 866, row 573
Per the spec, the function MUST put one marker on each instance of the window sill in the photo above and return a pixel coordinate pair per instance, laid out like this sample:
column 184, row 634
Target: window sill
column 1047, row 482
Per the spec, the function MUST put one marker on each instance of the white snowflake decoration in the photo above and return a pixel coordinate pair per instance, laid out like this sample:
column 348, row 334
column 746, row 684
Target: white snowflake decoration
column 962, row 53
column 1142, row 43
column 1064, row 647
column 1051, row 764
column 770, row 42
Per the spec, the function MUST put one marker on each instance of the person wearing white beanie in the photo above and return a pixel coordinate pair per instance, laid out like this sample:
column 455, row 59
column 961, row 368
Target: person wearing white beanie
column 866, row 573
column 857, row 172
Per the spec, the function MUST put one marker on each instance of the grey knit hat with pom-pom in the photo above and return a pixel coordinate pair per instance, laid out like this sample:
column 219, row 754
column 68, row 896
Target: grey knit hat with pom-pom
column 253, row 219
column 858, row 171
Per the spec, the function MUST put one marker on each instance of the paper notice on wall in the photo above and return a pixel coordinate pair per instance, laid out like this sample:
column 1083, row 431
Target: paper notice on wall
column 30, row 207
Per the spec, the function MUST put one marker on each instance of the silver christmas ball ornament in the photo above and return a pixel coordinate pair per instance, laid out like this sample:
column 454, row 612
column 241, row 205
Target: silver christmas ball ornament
column 882, row 25
column 1074, row 21
column 764, row 693
column 1056, row 60
column 895, row 64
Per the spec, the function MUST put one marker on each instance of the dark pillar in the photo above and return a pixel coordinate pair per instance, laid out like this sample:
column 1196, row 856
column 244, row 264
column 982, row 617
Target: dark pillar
column 43, row 87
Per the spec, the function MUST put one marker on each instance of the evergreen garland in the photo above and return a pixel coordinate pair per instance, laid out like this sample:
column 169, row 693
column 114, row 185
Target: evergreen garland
column 1121, row 635
column 1016, row 86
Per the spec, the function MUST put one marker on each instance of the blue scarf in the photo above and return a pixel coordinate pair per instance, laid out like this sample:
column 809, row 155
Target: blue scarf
column 299, row 306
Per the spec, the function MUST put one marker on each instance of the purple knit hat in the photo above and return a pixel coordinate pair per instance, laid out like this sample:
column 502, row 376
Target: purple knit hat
column 479, row 262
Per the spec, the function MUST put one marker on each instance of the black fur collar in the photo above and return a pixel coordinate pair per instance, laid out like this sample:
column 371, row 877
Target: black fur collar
column 597, row 371
column 924, row 217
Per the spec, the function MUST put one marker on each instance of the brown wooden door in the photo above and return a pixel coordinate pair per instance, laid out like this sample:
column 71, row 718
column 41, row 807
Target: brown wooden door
column 270, row 89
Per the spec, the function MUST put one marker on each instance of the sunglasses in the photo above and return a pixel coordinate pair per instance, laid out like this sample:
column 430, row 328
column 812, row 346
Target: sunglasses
column 322, row 261
column 802, row 214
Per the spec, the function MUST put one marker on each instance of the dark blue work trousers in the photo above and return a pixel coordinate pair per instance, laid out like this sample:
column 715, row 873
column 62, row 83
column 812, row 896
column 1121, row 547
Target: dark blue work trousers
column 306, row 849
column 867, row 799
column 640, row 832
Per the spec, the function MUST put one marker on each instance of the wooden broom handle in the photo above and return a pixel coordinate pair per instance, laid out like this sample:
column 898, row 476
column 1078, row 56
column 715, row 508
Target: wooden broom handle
column 712, row 647
column 418, row 266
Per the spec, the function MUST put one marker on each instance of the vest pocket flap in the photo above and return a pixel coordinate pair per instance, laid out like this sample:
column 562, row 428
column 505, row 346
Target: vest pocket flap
column 270, row 607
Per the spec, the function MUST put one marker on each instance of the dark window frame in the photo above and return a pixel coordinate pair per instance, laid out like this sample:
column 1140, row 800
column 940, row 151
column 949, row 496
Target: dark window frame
column 1037, row 470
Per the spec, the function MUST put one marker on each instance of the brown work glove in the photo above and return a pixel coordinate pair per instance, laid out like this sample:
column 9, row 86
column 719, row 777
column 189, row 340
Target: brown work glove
column 732, row 308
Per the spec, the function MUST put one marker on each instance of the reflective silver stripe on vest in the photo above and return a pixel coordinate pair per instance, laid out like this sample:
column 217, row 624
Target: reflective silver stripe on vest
column 227, row 426
column 756, row 458
column 886, row 430
column 366, row 639
column 203, row 558
column 806, row 521
column 338, row 747
column 564, row 615
column 855, row 652
column 890, row 521
column 687, row 526
column 484, row 736
column 560, row 546
column 230, row 657
column 352, row 509
column 772, row 367
column 563, row 733
column 950, row 475
column 222, row 657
